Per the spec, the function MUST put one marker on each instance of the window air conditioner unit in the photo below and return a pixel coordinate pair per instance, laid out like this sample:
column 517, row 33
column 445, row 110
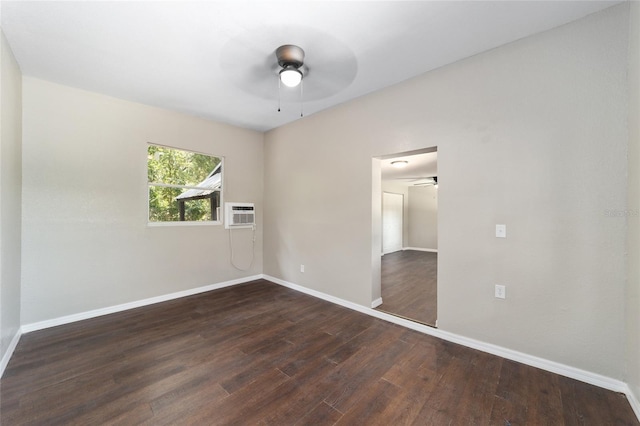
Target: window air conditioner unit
column 239, row 215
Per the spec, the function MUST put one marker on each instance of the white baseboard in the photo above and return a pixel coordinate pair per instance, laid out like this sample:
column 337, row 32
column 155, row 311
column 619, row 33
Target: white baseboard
column 376, row 303
column 544, row 364
column 28, row 328
column 392, row 251
column 319, row 294
column 7, row 355
column 421, row 249
column 633, row 400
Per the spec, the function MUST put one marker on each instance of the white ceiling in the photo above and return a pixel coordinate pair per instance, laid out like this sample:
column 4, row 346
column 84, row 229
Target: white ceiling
column 216, row 59
column 420, row 169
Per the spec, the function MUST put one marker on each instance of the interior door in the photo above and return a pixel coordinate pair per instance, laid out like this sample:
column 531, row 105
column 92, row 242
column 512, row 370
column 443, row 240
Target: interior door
column 392, row 209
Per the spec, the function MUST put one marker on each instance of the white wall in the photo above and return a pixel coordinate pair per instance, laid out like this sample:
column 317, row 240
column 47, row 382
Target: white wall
column 544, row 120
column 86, row 244
column 423, row 217
column 10, row 195
column 633, row 280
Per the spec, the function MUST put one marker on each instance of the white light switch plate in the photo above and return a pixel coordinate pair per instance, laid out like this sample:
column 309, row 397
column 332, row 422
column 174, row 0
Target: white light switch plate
column 501, row 292
column 501, row 231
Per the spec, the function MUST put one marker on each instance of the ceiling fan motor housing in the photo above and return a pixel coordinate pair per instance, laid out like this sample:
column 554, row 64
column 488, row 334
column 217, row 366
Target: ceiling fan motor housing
column 290, row 55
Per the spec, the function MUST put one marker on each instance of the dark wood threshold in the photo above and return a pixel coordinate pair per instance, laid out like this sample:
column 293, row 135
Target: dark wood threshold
column 406, row 318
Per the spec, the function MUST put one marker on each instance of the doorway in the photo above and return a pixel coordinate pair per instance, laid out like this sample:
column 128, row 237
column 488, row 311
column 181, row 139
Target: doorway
column 408, row 228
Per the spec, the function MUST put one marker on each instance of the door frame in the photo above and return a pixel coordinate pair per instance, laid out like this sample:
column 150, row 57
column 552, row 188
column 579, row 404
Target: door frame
column 376, row 222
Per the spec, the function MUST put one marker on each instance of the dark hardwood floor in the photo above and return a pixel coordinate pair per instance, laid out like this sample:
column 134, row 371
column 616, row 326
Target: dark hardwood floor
column 410, row 285
column 259, row 353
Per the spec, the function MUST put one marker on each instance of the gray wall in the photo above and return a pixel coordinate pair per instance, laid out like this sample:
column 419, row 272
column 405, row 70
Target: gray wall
column 10, row 194
column 633, row 280
column 86, row 243
column 423, row 217
column 544, row 120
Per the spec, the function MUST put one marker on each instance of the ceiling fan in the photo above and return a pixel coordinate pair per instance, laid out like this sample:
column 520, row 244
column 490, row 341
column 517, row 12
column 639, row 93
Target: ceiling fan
column 431, row 181
column 291, row 59
column 259, row 59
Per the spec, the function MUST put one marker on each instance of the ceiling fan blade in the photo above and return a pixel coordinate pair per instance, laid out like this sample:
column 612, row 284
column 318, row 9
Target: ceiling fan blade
column 414, row 178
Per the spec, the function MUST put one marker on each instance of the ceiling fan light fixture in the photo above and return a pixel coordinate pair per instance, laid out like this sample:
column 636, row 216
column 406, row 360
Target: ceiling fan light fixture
column 291, row 59
column 399, row 164
column 290, row 76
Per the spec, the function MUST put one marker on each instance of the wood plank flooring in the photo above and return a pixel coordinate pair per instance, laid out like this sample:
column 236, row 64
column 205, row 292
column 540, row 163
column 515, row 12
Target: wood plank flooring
column 262, row 354
column 410, row 285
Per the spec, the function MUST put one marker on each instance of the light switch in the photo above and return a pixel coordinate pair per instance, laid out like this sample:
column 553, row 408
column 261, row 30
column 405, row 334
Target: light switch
column 501, row 231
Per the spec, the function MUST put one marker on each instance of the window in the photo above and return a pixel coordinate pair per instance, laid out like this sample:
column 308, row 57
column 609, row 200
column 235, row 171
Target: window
column 184, row 186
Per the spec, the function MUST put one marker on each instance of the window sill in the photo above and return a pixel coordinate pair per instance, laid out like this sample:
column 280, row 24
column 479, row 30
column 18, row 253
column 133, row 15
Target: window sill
column 186, row 223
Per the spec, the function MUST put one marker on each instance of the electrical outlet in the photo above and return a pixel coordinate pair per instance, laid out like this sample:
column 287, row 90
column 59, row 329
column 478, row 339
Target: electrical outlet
column 501, row 291
column 301, row 268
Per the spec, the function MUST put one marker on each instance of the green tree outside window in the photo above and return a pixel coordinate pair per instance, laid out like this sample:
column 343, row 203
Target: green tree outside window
column 183, row 185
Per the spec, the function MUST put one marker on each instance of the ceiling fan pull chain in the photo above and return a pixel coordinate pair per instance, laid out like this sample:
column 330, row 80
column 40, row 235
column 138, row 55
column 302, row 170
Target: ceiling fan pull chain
column 301, row 103
column 279, row 83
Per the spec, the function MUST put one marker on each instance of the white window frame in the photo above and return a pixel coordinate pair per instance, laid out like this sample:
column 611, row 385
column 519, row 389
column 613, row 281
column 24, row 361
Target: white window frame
column 220, row 219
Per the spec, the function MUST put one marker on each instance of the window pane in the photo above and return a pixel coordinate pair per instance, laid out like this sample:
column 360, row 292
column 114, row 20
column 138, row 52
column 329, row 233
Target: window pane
column 178, row 167
column 165, row 205
column 198, row 178
column 197, row 210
